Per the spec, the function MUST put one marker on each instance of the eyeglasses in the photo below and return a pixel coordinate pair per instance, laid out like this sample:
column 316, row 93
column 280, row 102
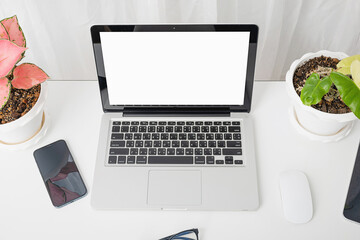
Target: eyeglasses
column 191, row 234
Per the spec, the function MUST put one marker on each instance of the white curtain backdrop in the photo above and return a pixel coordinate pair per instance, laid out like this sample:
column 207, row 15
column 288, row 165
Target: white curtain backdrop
column 58, row 32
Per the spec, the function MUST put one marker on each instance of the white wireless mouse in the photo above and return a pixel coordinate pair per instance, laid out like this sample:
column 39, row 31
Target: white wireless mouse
column 296, row 196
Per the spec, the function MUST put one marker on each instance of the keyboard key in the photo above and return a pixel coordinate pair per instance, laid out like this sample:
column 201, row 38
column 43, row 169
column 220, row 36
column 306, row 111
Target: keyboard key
column 219, row 136
column 217, row 151
column 153, row 123
column 228, row 136
column 173, row 136
column 146, row 136
column 217, row 123
column 164, row 136
column 162, row 123
column 151, row 129
column 214, row 129
column 229, row 160
column 116, row 123
column 210, row 159
column 160, row 129
column 198, row 151
column 232, row 151
column 180, row 151
column 209, row 136
column 184, row 144
column 200, row 136
column 157, row 144
column 124, row 129
column 219, row 161
column 221, row 144
column 196, row 129
column 141, row 159
column 207, row 151
column 112, row 159
column 187, row 129
column 137, row 136
column 191, row 136
column 208, row 123
column 128, row 136
column 199, row 123
column 155, row 136
column 161, row 151
column 152, row 151
column 169, row 129
column 134, row 151
column 178, row 129
column 130, row 143
column 222, row 129
column 119, row 151
column 190, row 123
column 182, row 136
column 121, row 159
column 117, row 144
column 166, row 144
column 194, row 144
column 116, row 129
column 239, row 162
column 212, row 144
column 236, row 123
column 170, row 160
column 234, row 129
column 226, row 123
column 148, row 144
column 135, row 123
column 175, row 144
column 203, row 144
column 139, row 144
column 171, row 123
column 205, row 129
column 130, row 159
column 144, row 123
column 189, row 151
column 117, row 136
column 237, row 136
column 199, row 160
column 170, row 151
column 126, row 123
column 233, row 143
column 143, row 151
column 180, row 123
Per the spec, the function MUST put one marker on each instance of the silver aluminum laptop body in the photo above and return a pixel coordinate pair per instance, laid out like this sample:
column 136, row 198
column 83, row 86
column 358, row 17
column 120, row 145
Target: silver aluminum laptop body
column 175, row 186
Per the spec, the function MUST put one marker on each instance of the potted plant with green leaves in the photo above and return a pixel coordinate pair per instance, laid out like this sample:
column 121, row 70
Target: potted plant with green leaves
column 22, row 87
column 325, row 92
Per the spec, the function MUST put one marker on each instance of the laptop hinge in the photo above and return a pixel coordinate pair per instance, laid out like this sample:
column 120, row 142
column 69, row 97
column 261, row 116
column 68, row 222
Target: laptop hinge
column 176, row 112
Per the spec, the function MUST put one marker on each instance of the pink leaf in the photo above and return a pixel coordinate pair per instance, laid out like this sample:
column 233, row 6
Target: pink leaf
column 28, row 75
column 5, row 88
column 14, row 31
column 3, row 32
column 9, row 55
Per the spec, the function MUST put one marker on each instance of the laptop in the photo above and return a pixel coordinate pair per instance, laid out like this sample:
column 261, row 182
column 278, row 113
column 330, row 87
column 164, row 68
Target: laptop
column 176, row 133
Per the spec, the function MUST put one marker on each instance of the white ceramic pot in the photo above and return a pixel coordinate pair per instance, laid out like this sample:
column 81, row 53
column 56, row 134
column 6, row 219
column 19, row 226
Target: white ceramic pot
column 26, row 127
column 312, row 120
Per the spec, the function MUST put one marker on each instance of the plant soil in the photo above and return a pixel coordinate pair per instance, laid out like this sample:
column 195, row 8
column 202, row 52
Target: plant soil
column 20, row 102
column 331, row 102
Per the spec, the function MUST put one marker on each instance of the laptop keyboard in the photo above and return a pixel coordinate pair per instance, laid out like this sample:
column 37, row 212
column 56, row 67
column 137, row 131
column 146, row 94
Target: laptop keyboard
column 210, row 143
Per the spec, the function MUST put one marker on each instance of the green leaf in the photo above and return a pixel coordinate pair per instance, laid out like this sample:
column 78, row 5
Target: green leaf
column 348, row 90
column 314, row 89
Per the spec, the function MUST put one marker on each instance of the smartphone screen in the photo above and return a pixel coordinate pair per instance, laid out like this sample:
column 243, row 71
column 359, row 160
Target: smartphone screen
column 352, row 204
column 60, row 174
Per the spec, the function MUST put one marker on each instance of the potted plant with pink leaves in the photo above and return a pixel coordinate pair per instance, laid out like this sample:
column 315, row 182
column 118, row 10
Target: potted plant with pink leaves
column 22, row 87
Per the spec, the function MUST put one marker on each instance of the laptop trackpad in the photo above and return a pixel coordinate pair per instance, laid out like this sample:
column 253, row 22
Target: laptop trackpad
column 174, row 188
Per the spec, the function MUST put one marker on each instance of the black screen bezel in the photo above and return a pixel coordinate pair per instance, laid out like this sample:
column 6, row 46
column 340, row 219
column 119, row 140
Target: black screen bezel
column 180, row 109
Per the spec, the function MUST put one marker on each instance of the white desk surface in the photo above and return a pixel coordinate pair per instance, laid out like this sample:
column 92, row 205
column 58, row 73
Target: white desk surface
column 75, row 110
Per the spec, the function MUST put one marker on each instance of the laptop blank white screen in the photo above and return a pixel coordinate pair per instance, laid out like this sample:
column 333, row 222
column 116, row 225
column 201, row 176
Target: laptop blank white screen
column 175, row 68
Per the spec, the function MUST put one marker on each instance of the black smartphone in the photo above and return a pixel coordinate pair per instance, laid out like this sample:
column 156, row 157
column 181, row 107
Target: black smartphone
column 60, row 174
column 352, row 204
